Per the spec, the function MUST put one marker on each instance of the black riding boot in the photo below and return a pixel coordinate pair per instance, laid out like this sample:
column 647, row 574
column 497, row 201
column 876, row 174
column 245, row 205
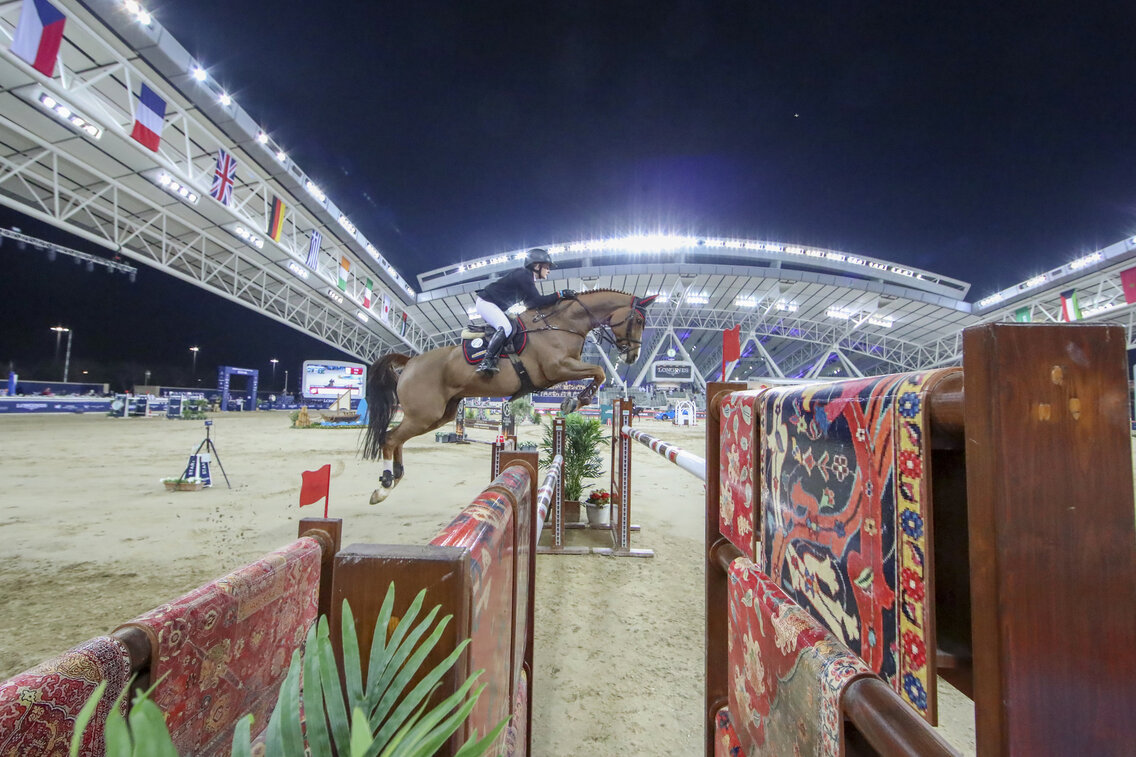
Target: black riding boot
column 492, row 352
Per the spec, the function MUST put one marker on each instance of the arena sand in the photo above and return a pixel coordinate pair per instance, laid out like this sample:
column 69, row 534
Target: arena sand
column 91, row 538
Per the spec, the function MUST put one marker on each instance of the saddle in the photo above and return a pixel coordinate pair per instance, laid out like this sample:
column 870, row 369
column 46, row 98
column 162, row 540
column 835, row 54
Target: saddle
column 476, row 338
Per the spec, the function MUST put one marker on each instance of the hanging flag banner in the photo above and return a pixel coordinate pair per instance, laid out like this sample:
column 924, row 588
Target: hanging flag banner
column 39, row 33
column 276, row 219
column 314, row 250
column 1070, row 307
column 344, row 268
column 224, row 178
column 368, row 294
column 402, row 328
column 1023, row 315
column 385, row 315
column 149, row 118
column 1128, row 284
column 731, row 347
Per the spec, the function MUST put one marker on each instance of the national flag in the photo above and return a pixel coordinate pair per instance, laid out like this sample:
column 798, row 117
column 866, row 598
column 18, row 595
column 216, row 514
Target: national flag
column 368, row 293
column 1023, row 315
column 224, row 178
column 149, row 118
column 385, row 315
column 1128, row 284
column 402, row 328
column 344, row 267
column 314, row 250
column 39, row 33
column 1070, row 307
column 276, row 219
column 316, row 485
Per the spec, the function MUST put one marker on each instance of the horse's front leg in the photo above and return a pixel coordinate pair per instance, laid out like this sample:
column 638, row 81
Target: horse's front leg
column 571, row 369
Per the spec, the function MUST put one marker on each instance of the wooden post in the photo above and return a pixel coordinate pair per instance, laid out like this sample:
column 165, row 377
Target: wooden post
column 329, row 533
column 1052, row 542
column 717, row 587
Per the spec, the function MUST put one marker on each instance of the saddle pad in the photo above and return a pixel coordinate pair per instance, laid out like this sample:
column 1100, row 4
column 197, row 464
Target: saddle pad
column 474, row 344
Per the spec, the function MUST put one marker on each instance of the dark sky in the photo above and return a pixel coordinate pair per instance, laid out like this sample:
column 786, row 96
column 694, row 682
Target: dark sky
column 984, row 141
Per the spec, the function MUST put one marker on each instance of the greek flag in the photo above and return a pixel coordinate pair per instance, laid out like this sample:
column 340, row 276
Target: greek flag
column 314, row 250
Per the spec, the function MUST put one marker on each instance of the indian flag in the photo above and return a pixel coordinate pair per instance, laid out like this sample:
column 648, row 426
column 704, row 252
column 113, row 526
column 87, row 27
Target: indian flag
column 344, row 267
column 367, row 294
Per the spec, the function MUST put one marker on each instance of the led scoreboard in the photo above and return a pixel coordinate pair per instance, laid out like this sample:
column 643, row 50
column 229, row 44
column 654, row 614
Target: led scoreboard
column 327, row 379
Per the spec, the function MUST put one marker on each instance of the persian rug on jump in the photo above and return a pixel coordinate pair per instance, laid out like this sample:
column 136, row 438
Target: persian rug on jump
column 726, row 743
column 485, row 528
column 787, row 672
column 738, row 449
column 38, row 707
column 846, row 512
column 223, row 649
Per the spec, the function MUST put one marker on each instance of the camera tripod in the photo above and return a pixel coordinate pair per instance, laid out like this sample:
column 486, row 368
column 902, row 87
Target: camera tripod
column 208, row 445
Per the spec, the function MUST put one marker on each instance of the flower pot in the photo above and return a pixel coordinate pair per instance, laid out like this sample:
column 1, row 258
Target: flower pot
column 570, row 511
column 184, row 486
column 598, row 515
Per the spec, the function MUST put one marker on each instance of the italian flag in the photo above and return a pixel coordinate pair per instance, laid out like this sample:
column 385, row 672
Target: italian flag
column 367, row 294
column 344, row 267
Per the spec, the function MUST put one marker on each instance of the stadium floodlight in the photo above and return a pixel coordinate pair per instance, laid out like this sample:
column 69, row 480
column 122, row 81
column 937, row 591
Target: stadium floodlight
column 198, row 73
column 1085, row 261
column 745, row 302
column 315, row 191
column 281, row 156
column 842, row 314
column 299, row 270
column 881, row 320
column 335, row 296
column 63, row 111
column 262, row 137
column 250, row 238
column 172, row 185
column 787, row 306
column 225, row 99
column 362, row 316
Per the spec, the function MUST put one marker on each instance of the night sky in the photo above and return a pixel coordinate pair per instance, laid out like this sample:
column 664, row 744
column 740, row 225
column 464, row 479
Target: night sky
column 987, row 142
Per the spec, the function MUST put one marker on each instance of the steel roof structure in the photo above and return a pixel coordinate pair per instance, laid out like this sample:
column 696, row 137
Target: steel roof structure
column 67, row 157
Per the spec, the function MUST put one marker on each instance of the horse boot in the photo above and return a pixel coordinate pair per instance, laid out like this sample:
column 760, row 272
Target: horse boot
column 488, row 365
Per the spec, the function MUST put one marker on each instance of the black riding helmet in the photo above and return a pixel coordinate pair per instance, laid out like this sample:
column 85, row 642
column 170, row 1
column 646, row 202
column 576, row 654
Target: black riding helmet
column 536, row 257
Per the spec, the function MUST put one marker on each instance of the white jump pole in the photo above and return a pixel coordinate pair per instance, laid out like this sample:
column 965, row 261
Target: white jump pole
column 680, row 457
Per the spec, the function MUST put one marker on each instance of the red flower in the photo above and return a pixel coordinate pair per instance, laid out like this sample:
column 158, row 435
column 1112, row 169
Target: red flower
column 910, row 464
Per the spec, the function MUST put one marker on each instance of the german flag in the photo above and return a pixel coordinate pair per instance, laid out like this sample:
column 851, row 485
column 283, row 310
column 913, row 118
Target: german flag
column 276, row 219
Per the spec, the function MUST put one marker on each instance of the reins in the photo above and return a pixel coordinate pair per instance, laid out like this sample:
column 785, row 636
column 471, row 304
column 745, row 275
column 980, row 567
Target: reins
column 607, row 333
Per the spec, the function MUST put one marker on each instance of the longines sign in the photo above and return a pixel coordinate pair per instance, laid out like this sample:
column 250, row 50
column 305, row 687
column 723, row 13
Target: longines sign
column 672, row 370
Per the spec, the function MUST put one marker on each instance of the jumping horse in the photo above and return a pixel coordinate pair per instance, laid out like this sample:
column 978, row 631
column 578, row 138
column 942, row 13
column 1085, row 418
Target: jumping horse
column 428, row 387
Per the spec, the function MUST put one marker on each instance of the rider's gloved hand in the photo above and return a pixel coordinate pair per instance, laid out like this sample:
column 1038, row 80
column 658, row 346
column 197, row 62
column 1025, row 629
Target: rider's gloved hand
column 566, row 293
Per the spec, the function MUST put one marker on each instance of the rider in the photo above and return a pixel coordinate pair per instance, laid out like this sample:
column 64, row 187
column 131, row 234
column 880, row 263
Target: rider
column 516, row 286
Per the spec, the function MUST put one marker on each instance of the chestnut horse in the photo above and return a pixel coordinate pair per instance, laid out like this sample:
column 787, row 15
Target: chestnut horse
column 429, row 386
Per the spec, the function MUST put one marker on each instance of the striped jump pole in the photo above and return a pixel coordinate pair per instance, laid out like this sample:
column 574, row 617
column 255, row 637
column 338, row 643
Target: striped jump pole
column 549, row 490
column 688, row 462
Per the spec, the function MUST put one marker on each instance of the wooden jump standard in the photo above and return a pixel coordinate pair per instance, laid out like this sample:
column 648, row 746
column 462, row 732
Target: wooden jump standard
column 1030, row 552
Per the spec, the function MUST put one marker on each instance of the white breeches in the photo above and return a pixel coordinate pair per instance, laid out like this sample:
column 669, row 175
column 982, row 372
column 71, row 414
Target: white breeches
column 493, row 315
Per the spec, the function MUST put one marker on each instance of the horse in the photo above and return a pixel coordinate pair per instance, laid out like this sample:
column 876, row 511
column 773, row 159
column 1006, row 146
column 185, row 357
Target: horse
column 429, row 386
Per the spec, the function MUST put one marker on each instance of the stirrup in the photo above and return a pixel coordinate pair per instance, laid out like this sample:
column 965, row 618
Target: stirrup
column 488, row 368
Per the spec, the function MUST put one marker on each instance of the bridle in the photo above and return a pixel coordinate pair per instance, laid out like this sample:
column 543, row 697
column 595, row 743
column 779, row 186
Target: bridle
column 625, row 344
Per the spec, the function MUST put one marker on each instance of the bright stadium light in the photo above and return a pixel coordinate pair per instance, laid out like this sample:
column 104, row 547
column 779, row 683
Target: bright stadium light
column 225, row 99
column 199, row 73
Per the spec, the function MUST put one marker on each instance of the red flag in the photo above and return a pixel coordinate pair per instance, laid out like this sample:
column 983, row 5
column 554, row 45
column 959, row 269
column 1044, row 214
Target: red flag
column 316, row 486
column 731, row 347
column 1128, row 284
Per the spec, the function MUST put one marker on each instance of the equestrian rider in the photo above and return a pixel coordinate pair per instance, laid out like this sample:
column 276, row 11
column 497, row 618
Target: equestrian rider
column 516, row 286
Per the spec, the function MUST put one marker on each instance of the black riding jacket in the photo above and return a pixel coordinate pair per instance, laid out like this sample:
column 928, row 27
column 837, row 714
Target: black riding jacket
column 516, row 286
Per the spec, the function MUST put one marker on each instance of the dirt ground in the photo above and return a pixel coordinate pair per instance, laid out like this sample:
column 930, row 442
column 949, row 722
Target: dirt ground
column 90, row 538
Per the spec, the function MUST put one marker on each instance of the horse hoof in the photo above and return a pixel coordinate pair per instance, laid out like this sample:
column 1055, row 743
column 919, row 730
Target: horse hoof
column 568, row 405
column 378, row 495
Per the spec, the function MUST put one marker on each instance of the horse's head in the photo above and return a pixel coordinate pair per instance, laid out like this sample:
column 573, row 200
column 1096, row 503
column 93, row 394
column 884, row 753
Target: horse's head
column 627, row 326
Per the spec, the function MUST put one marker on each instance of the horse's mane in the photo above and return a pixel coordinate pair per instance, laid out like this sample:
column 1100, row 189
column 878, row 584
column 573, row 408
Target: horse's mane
column 598, row 291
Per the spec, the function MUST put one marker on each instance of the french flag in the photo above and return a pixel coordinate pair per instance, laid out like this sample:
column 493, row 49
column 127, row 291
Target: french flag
column 38, row 35
column 149, row 118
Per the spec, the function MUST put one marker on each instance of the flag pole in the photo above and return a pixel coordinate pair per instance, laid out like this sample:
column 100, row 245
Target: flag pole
column 327, row 496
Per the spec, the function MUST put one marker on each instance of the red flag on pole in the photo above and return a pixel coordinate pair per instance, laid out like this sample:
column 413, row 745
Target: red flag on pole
column 316, row 486
column 731, row 347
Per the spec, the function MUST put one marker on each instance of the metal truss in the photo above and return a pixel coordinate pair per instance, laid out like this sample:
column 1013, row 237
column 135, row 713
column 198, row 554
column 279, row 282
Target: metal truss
column 105, row 211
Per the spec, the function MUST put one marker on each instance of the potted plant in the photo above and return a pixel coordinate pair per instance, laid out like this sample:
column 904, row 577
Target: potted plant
column 584, row 440
column 599, row 507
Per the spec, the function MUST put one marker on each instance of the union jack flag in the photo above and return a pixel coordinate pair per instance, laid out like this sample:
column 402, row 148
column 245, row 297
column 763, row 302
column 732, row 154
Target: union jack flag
column 224, row 178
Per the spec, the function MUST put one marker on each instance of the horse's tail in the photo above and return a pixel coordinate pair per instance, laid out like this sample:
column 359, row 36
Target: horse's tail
column 382, row 399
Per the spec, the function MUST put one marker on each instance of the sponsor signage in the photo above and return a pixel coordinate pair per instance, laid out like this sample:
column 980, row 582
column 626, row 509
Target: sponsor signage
column 560, row 391
column 323, row 379
column 672, row 370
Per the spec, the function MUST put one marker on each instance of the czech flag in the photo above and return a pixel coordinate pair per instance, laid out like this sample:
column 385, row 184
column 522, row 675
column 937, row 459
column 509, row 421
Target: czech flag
column 149, row 118
column 38, row 35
